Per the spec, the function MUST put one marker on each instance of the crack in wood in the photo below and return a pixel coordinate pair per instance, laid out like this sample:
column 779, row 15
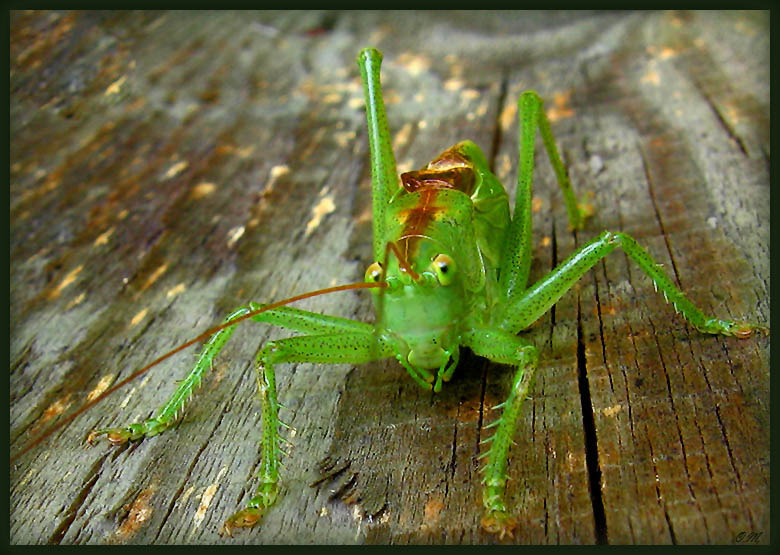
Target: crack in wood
column 79, row 498
column 591, row 443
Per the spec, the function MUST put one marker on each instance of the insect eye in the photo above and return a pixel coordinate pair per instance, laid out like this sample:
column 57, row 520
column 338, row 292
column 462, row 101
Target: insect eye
column 374, row 273
column 444, row 268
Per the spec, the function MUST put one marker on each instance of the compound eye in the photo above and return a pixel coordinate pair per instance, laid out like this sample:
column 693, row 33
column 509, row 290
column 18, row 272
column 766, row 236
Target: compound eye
column 373, row 273
column 444, row 268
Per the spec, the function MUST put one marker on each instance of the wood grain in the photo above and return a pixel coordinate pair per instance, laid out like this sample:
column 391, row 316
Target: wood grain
column 168, row 167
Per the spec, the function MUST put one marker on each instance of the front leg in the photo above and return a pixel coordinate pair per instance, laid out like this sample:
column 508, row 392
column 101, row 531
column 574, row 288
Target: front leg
column 523, row 311
column 505, row 348
column 168, row 413
column 337, row 348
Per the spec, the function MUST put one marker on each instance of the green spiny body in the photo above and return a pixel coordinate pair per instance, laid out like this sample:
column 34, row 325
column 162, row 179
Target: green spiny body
column 451, row 271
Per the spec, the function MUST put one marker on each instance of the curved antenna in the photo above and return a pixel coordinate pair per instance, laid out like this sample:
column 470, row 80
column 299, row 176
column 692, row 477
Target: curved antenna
column 204, row 335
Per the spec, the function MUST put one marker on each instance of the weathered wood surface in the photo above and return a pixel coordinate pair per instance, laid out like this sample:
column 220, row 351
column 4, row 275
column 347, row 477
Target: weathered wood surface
column 169, row 167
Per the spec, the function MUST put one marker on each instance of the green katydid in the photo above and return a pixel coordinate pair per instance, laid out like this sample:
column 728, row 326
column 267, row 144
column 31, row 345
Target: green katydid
column 451, row 269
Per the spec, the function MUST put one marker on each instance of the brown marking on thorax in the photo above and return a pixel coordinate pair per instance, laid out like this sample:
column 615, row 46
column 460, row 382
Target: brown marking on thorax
column 449, row 171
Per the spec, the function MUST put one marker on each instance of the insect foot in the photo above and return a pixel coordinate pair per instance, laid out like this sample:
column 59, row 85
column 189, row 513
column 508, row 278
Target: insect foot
column 245, row 518
column 743, row 330
column 253, row 513
column 119, row 436
column 500, row 523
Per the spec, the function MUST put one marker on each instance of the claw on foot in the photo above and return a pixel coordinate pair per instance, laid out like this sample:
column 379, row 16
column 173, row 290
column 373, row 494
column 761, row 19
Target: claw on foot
column 499, row 522
column 745, row 330
column 116, row 436
column 245, row 518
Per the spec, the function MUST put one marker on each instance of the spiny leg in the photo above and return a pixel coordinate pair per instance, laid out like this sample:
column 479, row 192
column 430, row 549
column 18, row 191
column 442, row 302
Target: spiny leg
column 525, row 310
column 516, row 260
column 505, row 348
column 337, row 348
column 286, row 317
column 168, row 413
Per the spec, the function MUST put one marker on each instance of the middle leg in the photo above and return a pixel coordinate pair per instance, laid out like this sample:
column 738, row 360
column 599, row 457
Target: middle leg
column 520, row 313
column 336, row 348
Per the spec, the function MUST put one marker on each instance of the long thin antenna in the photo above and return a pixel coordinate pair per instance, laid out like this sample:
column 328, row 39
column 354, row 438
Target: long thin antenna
column 204, row 335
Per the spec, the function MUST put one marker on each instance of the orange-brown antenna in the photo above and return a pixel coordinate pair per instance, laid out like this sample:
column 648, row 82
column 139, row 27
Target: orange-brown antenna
column 402, row 262
column 204, row 335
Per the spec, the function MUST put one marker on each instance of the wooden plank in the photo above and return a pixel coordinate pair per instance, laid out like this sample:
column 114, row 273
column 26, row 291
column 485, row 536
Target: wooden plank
column 168, row 167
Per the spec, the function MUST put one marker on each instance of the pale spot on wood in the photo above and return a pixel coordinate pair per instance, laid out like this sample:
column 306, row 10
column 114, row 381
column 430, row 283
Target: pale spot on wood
column 186, row 495
column 508, row 115
column 220, row 374
column 667, row 52
column 503, row 167
column 175, row 169
column 546, row 241
column 140, row 511
column 332, row 98
column 560, row 108
column 611, row 411
column 205, row 501
column 402, row 137
column 422, row 124
column 651, row 77
column 575, row 461
column 245, row 152
column 379, row 34
column 67, row 280
column 54, row 410
column 536, row 204
column 102, row 385
column 114, row 87
column 324, row 511
column 323, row 208
column 432, row 511
column 405, row 166
column 343, row 138
column 364, row 216
column 27, row 476
column 234, row 235
column 138, row 317
column 126, row 400
column 469, row 94
column 78, row 300
column 122, row 214
column 453, row 84
column 277, row 172
column 732, row 113
column 102, row 239
column 203, row 189
column 176, row 290
column 154, row 277
column 391, row 97
column 206, row 498
column 413, row 63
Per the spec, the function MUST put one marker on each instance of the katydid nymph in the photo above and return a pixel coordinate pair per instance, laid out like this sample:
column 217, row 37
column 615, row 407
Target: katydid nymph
column 451, row 269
